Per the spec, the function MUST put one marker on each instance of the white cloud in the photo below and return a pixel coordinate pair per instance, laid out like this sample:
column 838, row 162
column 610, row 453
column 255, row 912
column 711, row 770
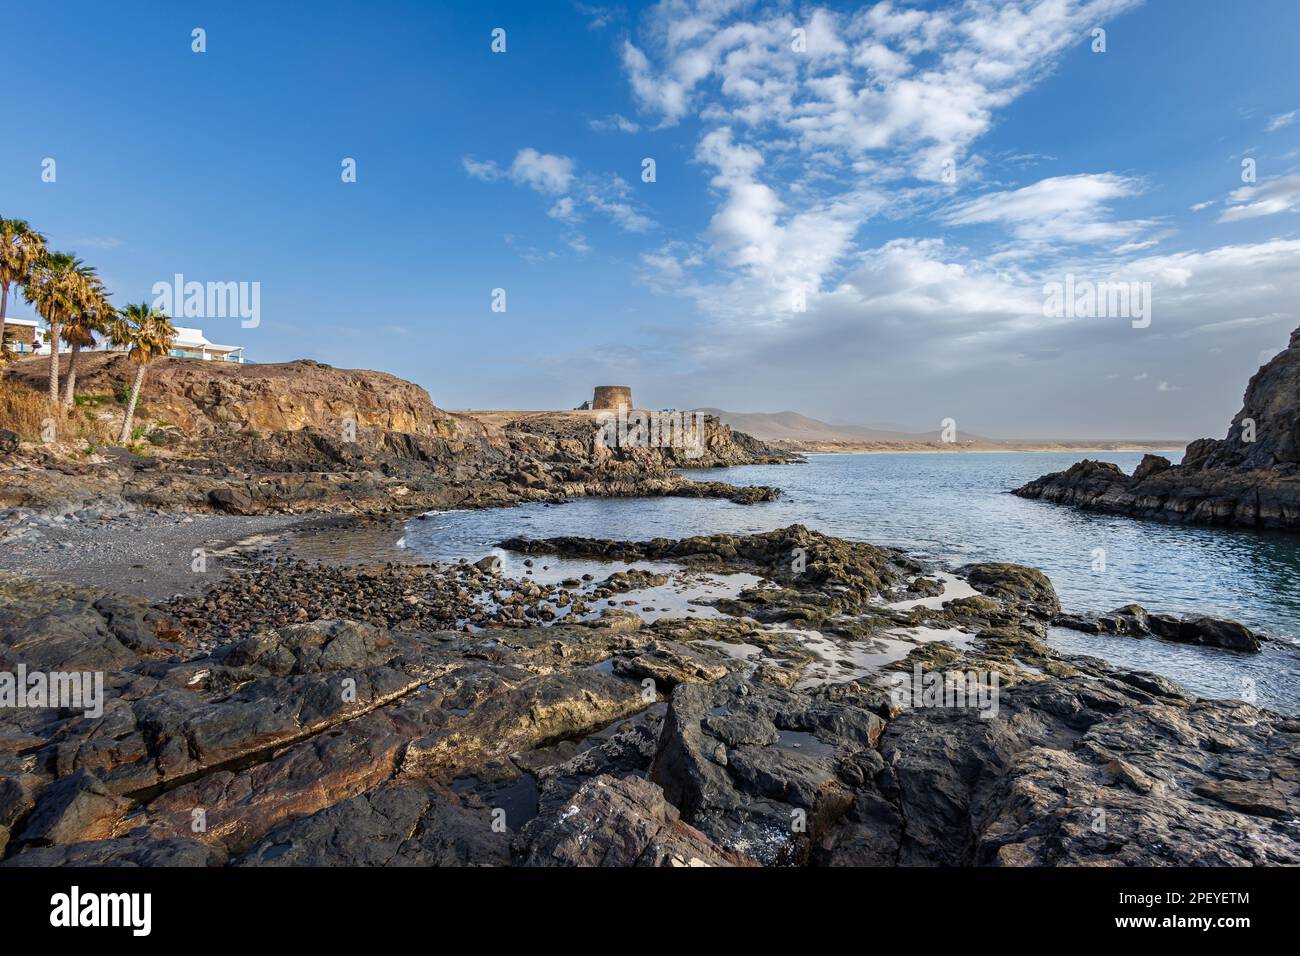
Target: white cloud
column 804, row 148
column 545, row 172
column 804, row 151
column 934, row 310
column 1063, row 208
column 556, row 176
column 486, row 171
column 623, row 214
column 774, row 249
column 597, row 17
column 1281, row 120
column 564, row 209
column 615, row 121
column 1265, row 199
column 881, row 78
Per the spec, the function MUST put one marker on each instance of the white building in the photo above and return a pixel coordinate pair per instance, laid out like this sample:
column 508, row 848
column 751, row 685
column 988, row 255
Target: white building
column 190, row 343
column 32, row 339
column 26, row 337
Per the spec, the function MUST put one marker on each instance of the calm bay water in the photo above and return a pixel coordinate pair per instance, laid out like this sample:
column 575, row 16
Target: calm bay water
column 955, row 508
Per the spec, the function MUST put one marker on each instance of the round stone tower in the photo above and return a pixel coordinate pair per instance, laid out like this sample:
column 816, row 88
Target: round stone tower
column 612, row 397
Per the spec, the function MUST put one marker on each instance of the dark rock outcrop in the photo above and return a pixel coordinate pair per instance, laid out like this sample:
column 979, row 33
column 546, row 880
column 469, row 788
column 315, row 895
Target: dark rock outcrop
column 1251, row 478
column 1136, row 621
column 619, row 821
column 846, row 574
column 1085, row 770
column 1015, row 584
column 754, row 767
column 395, row 824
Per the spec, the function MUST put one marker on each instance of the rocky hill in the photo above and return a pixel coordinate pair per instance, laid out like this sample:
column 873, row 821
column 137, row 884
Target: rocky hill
column 204, row 399
column 302, row 436
column 1250, row 478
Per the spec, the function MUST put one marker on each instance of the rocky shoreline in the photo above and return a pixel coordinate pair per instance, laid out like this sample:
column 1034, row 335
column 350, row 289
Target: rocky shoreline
column 784, row 698
column 1249, row 479
column 448, row 720
column 307, row 438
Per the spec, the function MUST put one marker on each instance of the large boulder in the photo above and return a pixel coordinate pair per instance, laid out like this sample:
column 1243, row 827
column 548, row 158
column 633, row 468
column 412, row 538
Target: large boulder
column 762, row 770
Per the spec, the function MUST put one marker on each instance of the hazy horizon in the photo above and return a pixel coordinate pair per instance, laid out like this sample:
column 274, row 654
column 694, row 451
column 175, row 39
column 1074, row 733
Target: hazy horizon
column 857, row 211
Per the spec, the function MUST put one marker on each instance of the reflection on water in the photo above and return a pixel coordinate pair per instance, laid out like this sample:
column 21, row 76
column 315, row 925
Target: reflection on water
column 948, row 506
column 955, row 508
column 1270, row 678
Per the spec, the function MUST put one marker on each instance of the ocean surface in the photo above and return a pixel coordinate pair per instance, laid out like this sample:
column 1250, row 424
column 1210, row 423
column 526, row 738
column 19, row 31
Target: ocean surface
column 956, row 508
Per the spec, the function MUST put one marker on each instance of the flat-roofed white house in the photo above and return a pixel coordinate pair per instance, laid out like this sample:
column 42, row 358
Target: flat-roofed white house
column 191, row 343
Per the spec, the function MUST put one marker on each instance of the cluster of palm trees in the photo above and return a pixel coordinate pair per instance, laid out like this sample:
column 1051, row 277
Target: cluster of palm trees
column 70, row 297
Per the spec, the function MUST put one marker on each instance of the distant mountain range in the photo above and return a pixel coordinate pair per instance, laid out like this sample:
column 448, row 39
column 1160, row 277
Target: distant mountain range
column 796, row 431
column 791, row 426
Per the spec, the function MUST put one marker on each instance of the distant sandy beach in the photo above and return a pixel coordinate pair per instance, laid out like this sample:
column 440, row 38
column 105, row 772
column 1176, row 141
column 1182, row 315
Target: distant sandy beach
column 849, row 448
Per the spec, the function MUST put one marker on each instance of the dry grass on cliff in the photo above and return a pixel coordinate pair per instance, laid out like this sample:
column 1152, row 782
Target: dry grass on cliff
column 24, row 410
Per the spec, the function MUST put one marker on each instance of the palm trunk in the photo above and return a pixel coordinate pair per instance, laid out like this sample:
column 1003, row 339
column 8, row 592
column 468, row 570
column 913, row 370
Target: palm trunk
column 54, row 364
column 130, row 406
column 4, row 311
column 68, row 394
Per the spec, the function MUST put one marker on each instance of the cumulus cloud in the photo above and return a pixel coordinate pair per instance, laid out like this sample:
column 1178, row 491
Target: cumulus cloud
column 544, row 172
column 1265, row 199
column 921, row 311
column 806, row 135
column 773, row 250
column 486, row 171
column 885, row 77
column 564, row 209
column 809, row 153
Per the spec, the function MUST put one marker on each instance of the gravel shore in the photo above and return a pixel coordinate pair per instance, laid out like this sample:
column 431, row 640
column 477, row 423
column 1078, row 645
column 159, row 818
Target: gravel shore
column 141, row 554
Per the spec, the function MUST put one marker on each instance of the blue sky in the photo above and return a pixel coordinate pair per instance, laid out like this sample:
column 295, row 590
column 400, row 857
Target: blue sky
column 818, row 172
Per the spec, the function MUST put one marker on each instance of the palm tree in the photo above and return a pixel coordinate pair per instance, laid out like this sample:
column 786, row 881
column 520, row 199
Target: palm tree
column 58, row 289
column 21, row 247
column 148, row 334
column 95, row 315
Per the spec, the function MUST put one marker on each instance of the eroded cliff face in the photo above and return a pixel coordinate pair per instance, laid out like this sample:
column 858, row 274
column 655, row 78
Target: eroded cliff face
column 1251, row 478
column 204, row 399
column 1265, row 434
